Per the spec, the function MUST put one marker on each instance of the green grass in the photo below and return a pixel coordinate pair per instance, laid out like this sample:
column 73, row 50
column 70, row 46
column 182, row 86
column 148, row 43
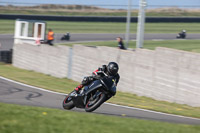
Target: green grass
column 37, row 79
column 64, row 12
column 187, row 45
column 7, row 27
column 24, row 119
column 66, row 85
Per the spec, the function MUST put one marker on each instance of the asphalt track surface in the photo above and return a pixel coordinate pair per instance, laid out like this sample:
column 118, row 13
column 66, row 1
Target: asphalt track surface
column 6, row 40
column 18, row 93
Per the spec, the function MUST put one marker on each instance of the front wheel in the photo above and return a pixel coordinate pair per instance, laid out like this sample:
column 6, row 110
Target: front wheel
column 93, row 104
column 68, row 103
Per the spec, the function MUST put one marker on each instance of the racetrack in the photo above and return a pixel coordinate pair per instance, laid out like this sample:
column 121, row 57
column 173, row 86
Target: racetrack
column 7, row 40
column 18, row 93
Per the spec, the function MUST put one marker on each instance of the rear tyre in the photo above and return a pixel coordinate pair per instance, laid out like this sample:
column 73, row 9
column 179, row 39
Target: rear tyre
column 94, row 104
column 68, row 103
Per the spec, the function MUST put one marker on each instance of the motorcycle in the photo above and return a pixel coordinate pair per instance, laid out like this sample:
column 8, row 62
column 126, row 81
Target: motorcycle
column 66, row 36
column 92, row 96
column 181, row 35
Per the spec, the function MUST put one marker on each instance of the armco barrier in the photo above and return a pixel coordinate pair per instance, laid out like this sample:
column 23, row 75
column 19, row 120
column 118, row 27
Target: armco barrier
column 162, row 74
column 100, row 18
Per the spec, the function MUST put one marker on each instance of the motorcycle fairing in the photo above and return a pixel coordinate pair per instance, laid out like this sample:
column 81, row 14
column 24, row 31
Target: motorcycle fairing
column 109, row 84
column 93, row 86
column 80, row 100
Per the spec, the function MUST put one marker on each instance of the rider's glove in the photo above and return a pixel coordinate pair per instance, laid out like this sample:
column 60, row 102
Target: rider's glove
column 103, row 68
column 78, row 87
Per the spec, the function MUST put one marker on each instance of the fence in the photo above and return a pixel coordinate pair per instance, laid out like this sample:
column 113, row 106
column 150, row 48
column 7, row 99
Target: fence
column 163, row 74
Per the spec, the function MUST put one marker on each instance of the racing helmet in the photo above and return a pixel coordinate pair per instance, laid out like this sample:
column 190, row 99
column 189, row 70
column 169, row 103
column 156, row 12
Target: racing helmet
column 112, row 68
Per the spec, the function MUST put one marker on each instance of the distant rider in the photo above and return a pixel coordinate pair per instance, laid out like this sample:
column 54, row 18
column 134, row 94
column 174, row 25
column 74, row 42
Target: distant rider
column 182, row 34
column 106, row 70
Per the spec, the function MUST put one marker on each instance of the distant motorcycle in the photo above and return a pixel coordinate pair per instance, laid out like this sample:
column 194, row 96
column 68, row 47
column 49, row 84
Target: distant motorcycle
column 92, row 96
column 181, row 34
column 66, row 36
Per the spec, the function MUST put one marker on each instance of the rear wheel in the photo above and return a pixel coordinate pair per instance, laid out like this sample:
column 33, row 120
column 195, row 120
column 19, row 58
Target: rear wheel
column 94, row 103
column 68, row 103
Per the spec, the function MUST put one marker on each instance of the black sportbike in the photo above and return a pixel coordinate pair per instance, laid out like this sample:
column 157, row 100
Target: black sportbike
column 92, row 96
column 181, row 35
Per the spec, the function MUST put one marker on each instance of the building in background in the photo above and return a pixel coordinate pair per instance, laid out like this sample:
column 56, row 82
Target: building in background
column 29, row 31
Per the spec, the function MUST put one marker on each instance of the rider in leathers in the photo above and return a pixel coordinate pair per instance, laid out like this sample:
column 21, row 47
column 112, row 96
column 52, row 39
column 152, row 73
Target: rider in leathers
column 106, row 70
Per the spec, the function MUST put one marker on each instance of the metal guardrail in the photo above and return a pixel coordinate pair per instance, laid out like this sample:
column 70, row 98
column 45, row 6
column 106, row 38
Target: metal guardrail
column 100, row 18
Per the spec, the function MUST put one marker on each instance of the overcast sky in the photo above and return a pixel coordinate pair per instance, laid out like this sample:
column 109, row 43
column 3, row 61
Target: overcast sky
column 111, row 2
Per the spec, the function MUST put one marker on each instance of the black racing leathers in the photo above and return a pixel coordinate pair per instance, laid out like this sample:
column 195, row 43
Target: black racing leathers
column 98, row 74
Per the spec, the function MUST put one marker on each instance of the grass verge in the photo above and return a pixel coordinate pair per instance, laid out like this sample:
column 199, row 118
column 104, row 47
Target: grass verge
column 25, row 119
column 187, row 45
column 90, row 11
column 7, row 27
column 66, row 85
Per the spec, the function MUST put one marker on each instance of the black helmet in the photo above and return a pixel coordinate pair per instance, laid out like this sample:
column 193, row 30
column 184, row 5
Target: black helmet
column 112, row 68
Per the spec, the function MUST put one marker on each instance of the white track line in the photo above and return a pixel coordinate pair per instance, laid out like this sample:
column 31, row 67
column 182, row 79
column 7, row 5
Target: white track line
column 10, row 80
column 153, row 111
column 16, row 82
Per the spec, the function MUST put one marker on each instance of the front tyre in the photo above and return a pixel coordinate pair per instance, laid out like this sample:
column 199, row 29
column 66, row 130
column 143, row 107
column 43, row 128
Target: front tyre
column 68, row 103
column 93, row 104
